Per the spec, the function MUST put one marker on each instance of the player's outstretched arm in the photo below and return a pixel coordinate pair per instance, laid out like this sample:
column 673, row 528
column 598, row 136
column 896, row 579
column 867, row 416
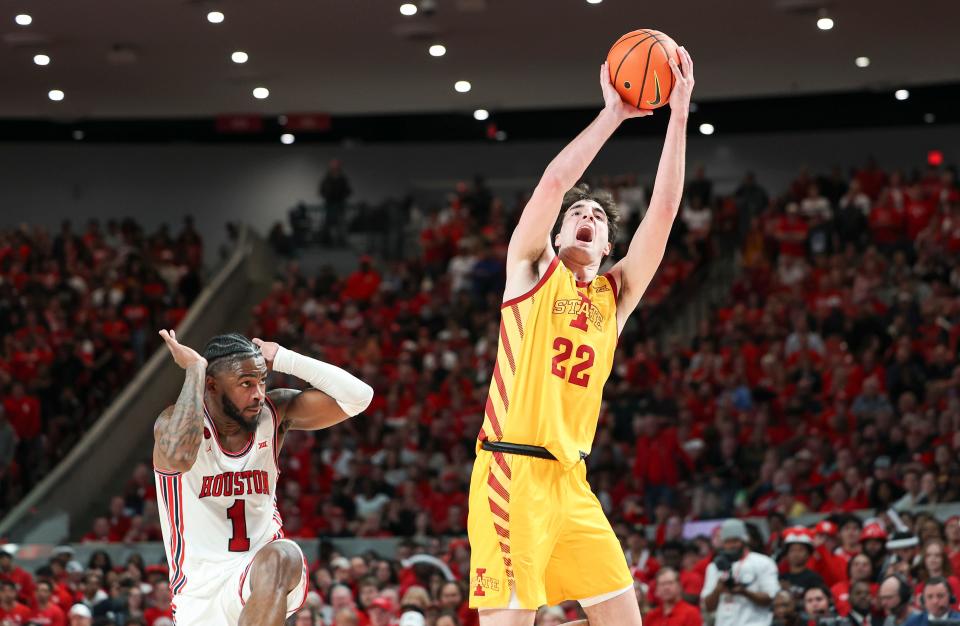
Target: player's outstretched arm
column 636, row 269
column 531, row 237
column 178, row 431
column 336, row 394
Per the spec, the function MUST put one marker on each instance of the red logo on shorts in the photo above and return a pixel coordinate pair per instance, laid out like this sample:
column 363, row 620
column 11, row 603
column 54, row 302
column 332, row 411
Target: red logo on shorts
column 479, row 590
column 263, row 444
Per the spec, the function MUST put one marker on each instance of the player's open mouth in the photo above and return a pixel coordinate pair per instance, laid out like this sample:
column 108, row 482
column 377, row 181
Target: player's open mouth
column 585, row 233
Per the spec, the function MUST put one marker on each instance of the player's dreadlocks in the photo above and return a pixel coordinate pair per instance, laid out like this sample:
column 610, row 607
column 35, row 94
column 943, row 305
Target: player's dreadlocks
column 223, row 350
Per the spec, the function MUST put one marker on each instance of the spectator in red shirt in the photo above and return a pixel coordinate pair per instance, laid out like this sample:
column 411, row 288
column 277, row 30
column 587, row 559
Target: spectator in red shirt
column 672, row 610
column 12, row 613
column 859, row 568
column 18, row 576
column 363, row 283
column 100, row 533
column 850, row 529
column 160, row 605
column 23, row 411
column 658, row 462
column 791, row 232
column 47, row 612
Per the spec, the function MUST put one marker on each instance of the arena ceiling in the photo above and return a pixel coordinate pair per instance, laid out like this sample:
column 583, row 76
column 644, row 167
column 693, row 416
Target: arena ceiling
column 162, row 58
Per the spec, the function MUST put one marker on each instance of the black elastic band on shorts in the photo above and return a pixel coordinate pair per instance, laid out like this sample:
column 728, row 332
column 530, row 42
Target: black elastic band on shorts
column 517, row 448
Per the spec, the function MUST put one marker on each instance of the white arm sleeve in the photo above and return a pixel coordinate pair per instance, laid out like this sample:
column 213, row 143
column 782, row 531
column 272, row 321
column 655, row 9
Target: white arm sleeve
column 352, row 394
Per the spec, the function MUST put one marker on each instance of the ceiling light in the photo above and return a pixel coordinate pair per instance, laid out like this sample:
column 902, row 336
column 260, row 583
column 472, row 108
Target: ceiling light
column 706, row 129
column 862, row 61
column 78, row 135
column 56, row 95
column 41, row 59
column 287, row 139
column 23, row 19
column 438, row 50
column 261, row 93
column 594, row 1
column 462, row 86
column 929, row 118
column 825, row 23
column 901, row 94
column 408, row 9
column 239, row 57
column 215, row 17
column 481, row 114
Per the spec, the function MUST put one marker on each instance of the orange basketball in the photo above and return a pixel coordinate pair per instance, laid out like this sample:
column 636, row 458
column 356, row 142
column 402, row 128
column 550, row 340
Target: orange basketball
column 639, row 68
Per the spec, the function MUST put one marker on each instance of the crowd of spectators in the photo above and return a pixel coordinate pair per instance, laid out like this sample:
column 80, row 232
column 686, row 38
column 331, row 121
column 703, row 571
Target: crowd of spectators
column 829, row 382
column 77, row 317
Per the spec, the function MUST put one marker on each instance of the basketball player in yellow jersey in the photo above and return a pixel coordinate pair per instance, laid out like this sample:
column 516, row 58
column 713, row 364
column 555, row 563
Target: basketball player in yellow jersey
column 537, row 533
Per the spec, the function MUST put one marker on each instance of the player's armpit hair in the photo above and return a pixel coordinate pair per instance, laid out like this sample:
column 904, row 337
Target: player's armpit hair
column 602, row 197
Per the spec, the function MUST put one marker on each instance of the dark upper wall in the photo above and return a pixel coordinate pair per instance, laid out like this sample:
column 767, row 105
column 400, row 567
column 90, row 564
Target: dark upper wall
column 44, row 183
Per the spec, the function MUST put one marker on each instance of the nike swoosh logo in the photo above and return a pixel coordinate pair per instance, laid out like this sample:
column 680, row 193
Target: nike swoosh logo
column 656, row 82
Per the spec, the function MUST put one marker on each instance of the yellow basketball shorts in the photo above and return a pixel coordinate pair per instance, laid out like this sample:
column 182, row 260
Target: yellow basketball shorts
column 538, row 535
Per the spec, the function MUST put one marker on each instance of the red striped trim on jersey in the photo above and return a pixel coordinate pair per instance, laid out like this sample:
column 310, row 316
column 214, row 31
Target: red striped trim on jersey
column 516, row 317
column 216, row 437
column 613, row 284
column 497, row 510
column 279, row 520
column 502, row 388
column 171, row 490
column 164, row 472
column 306, row 587
column 543, row 279
column 505, row 342
column 493, row 418
column 276, row 432
column 243, row 579
column 497, row 487
column 502, row 462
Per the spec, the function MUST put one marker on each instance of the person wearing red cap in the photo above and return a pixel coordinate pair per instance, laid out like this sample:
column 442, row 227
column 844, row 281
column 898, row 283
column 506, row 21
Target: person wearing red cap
column 798, row 577
column 831, row 567
column 380, row 612
column 874, row 542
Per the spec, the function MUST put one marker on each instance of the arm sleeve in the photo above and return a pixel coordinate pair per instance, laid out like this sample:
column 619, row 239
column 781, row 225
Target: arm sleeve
column 352, row 394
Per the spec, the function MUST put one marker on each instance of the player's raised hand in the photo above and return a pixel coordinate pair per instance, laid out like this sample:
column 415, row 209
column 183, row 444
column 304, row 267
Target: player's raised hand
column 268, row 349
column 613, row 102
column 184, row 356
column 683, row 81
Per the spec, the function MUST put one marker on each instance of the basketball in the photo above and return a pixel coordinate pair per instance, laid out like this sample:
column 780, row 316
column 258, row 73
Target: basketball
column 640, row 70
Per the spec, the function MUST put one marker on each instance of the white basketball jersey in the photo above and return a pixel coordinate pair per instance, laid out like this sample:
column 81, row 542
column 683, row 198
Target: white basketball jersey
column 224, row 508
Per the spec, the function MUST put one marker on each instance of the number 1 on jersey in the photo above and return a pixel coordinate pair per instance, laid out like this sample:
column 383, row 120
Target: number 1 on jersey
column 237, row 514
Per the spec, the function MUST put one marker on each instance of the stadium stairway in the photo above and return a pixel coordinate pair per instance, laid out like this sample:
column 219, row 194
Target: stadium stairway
column 65, row 502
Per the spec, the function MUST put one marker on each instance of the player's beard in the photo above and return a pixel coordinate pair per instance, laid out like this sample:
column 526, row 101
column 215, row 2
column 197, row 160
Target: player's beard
column 231, row 411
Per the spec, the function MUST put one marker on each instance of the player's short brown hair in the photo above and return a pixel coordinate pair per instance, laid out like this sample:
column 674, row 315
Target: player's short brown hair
column 602, row 197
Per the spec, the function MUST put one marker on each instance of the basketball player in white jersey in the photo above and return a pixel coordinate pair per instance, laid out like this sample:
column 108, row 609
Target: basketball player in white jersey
column 215, row 456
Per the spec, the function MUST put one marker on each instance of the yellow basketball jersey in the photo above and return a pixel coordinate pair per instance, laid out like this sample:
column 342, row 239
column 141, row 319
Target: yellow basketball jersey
column 555, row 353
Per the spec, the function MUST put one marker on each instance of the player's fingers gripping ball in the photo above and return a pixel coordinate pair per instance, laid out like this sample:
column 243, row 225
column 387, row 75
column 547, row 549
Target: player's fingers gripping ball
column 639, row 64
